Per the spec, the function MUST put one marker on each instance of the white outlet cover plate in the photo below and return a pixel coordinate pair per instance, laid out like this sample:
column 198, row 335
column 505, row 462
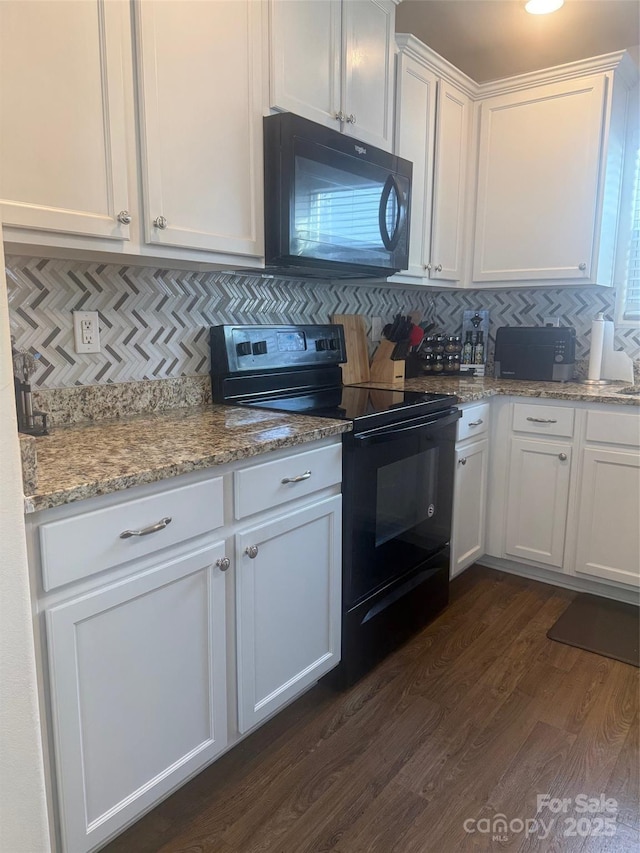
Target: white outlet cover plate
column 86, row 331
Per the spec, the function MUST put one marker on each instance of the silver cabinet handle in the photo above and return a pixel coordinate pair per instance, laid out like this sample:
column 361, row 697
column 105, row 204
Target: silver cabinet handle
column 160, row 222
column 153, row 528
column 251, row 551
column 297, row 479
column 351, row 119
column 438, row 268
column 476, row 423
column 542, row 420
column 340, row 116
column 223, row 563
column 582, row 266
column 124, row 217
column 427, row 267
column 562, row 457
column 462, row 461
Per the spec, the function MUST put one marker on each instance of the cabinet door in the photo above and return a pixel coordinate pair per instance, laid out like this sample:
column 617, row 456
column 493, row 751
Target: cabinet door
column 469, row 505
column 540, row 153
column 288, row 607
column 62, row 122
column 368, row 28
column 305, row 58
column 138, row 685
column 200, row 94
column 414, row 140
column 608, row 513
column 537, row 501
column 449, row 182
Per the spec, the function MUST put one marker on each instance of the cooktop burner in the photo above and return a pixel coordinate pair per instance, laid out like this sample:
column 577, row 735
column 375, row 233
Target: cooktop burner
column 354, row 402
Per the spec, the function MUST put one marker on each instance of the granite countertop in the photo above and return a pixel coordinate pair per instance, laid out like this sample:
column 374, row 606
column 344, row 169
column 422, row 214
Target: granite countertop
column 85, row 460
column 471, row 389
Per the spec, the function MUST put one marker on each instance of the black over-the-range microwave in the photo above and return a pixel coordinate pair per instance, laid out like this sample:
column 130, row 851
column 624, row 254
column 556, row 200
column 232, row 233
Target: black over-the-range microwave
column 335, row 207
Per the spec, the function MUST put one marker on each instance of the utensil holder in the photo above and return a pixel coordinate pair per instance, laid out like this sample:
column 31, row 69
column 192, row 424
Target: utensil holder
column 383, row 368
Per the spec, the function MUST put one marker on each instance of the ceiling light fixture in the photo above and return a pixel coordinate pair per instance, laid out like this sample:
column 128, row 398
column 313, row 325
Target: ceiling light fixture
column 543, row 7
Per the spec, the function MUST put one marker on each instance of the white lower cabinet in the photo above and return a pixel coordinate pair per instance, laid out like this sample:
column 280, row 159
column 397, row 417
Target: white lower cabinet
column 564, row 494
column 609, row 522
column 145, row 614
column 470, row 487
column 537, row 500
column 469, row 505
column 288, row 589
column 138, row 691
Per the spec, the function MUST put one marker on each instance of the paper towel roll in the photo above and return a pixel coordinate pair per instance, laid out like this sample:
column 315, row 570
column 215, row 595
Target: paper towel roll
column 597, row 343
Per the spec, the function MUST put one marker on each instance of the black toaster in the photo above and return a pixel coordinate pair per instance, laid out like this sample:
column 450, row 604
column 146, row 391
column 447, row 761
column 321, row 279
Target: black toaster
column 544, row 353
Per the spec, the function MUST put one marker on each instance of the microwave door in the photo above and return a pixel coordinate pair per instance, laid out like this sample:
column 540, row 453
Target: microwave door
column 344, row 209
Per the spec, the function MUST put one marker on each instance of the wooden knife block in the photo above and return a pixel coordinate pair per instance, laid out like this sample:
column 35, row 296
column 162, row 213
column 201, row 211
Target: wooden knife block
column 383, row 369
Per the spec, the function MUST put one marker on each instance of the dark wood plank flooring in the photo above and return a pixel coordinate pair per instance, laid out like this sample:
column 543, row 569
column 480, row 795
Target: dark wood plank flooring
column 469, row 721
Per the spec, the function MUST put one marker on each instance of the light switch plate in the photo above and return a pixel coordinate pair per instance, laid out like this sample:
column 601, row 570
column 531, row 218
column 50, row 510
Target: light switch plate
column 86, row 331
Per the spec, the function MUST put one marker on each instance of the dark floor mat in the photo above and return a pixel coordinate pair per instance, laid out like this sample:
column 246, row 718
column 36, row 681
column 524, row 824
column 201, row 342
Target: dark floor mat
column 600, row 625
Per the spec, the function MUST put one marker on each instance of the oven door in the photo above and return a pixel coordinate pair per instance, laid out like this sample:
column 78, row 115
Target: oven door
column 398, row 494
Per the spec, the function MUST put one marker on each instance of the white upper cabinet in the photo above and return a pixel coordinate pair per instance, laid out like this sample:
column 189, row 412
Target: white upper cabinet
column 449, row 182
column 332, row 62
column 63, row 164
column 432, row 131
column 549, row 180
column 70, row 125
column 305, row 55
column 199, row 76
column 368, row 28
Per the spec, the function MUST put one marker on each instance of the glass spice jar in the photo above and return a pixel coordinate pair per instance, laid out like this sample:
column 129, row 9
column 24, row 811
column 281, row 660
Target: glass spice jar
column 438, row 363
column 452, row 363
column 427, row 363
column 439, row 342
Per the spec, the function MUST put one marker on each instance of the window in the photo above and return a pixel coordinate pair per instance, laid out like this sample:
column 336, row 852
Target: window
column 630, row 309
column 628, row 264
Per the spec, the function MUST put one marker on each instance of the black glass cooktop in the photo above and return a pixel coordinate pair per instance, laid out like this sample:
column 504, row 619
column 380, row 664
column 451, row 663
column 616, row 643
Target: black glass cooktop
column 356, row 402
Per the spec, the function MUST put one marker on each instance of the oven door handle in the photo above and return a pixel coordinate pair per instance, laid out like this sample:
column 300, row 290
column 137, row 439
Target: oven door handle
column 389, row 433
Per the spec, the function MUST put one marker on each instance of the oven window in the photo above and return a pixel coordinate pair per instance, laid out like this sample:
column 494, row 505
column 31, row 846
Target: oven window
column 406, row 495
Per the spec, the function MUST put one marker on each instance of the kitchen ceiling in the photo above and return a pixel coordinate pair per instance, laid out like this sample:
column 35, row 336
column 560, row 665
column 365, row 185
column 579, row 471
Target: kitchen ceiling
column 489, row 39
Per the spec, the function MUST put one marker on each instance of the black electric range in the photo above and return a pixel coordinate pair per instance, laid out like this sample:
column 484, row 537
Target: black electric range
column 398, row 466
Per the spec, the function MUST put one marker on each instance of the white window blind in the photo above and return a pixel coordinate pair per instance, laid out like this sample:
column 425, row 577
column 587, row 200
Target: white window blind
column 631, row 306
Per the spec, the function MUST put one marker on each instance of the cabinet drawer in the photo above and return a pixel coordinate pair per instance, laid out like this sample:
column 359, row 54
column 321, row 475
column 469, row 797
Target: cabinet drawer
column 86, row 544
column 543, row 420
column 261, row 487
column 614, row 427
column 474, row 421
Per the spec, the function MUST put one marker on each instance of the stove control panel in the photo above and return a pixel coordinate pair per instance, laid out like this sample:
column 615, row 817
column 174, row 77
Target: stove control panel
column 239, row 349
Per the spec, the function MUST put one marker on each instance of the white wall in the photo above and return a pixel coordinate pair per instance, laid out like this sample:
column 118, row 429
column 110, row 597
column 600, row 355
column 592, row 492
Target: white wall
column 23, row 811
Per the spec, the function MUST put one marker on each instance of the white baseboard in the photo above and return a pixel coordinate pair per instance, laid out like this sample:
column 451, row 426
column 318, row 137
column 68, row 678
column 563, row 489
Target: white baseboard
column 630, row 596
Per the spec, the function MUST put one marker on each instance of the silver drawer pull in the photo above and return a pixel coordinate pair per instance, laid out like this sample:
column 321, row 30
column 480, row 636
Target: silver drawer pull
column 297, row 479
column 251, row 551
column 476, row 423
column 153, row 528
column 542, row 420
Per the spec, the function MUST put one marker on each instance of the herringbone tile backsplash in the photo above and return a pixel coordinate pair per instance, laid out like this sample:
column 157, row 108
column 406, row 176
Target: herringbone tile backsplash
column 154, row 323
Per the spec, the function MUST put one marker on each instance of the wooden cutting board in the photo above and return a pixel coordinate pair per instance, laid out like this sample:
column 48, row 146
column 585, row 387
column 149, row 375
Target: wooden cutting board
column 356, row 368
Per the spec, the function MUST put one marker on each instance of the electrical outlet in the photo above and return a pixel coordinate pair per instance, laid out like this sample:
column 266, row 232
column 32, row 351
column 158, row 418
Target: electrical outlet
column 551, row 321
column 86, row 331
column 376, row 329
